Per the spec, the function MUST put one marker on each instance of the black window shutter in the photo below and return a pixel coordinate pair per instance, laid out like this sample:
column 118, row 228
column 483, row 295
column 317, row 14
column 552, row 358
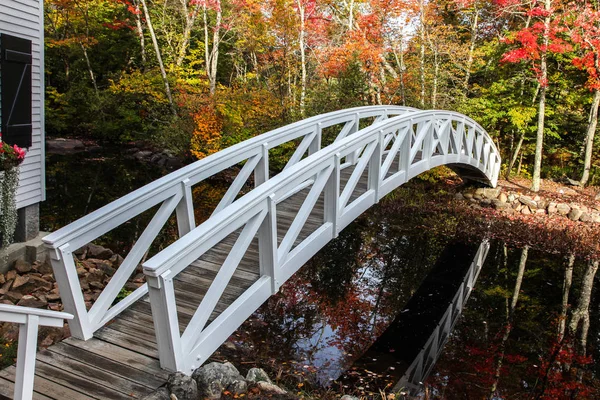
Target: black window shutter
column 15, row 73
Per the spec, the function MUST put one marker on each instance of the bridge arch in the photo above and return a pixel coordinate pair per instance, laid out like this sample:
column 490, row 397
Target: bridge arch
column 341, row 181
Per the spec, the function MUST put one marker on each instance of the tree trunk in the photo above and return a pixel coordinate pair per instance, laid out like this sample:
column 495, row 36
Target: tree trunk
column 539, row 143
column 508, row 327
column 565, row 299
column 436, row 72
column 589, row 139
column 140, row 32
column 302, row 56
column 471, row 51
column 163, row 72
column 211, row 54
column 422, row 52
column 190, row 21
column 582, row 312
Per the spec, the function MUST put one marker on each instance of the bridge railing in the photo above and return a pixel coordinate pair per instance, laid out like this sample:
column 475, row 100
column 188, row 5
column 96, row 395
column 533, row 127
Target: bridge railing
column 173, row 194
column 390, row 152
column 29, row 320
column 419, row 370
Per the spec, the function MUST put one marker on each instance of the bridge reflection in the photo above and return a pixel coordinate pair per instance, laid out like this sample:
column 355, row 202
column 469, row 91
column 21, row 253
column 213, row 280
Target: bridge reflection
column 408, row 349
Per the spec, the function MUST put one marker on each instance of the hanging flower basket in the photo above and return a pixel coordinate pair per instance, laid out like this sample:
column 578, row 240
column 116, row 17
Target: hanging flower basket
column 10, row 158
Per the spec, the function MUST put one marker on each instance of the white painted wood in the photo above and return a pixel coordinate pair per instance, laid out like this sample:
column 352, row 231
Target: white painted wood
column 29, row 319
column 25, row 19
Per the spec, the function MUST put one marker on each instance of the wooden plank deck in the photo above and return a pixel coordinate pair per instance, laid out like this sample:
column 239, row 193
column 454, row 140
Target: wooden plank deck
column 121, row 360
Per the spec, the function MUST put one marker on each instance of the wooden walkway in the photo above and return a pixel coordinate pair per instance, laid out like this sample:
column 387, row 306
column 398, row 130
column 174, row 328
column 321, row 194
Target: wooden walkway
column 121, row 360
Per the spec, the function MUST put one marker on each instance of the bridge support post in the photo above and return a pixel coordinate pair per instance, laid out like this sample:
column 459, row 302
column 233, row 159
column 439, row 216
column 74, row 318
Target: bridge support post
column 185, row 210
column 375, row 167
column 332, row 196
column 267, row 246
column 166, row 324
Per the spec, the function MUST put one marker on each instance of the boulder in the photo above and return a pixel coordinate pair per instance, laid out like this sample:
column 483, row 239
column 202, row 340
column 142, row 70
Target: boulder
column 98, row 252
column 257, row 375
column 459, row 196
column 511, row 197
column 575, row 214
column 160, row 394
column 552, row 208
column 563, row 209
column 528, row 201
column 525, row 210
column 348, row 397
column 11, row 275
column 22, row 266
column 585, row 217
column 491, row 193
column 12, row 296
column 31, row 301
column 20, row 281
column 503, row 197
column 468, row 196
column 215, row 377
column 500, row 205
column 596, row 217
column 270, row 388
column 182, row 386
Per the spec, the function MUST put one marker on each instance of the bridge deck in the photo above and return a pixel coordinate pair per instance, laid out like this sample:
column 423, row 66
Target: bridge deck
column 121, row 360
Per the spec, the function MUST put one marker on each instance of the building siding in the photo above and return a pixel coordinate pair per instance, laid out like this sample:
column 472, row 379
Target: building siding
column 25, row 19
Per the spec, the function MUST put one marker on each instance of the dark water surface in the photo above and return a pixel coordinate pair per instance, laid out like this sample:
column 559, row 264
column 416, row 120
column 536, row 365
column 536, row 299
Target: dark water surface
column 339, row 321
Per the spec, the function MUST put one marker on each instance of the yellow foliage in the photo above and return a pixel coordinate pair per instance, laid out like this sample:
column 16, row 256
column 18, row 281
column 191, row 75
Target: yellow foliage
column 206, row 138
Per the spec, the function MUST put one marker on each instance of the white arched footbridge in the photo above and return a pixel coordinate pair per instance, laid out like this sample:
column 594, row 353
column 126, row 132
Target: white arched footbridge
column 209, row 281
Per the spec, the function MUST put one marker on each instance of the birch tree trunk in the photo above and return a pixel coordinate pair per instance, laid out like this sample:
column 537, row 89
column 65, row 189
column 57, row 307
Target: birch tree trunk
column 589, row 139
column 301, row 10
column 211, row 53
column 582, row 312
column 163, row 72
column 140, row 32
column 190, row 21
column 422, row 52
column 474, row 30
column 565, row 299
column 539, row 143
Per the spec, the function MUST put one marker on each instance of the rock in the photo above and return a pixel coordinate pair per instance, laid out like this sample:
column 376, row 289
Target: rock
column 552, row 208
column 53, row 297
column 459, row 196
column 348, row 397
column 213, row 378
column 45, row 268
column 575, row 214
column 585, row 217
column 478, row 192
column 81, row 271
column 22, row 266
column 105, row 266
column 238, row 387
column 116, row 260
column 567, row 191
column 596, row 217
column 160, row 394
column 11, row 275
column 563, row 209
column 486, row 202
column 257, row 375
column 528, row 201
column 511, row 197
column 468, row 196
column 270, row 388
column 518, row 207
column 64, row 146
column 99, row 252
column 541, row 203
column 39, row 283
column 2, row 279
column 13, row 296
column 503, row 197
column 97, row 285
column 597, row 198
column 540, row 211
column 31, row 301
column 20, row 281
column 141, row 155
column 95, row 275
column 525, row 210
column 182, row 386
column 6, row 287
column 491, row 193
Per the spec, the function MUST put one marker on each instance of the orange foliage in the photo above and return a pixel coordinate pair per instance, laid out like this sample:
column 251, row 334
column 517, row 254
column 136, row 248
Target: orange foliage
column 206, row 138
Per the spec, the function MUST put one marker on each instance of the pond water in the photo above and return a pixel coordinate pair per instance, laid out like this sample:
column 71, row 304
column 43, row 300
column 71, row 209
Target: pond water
column 344, row 321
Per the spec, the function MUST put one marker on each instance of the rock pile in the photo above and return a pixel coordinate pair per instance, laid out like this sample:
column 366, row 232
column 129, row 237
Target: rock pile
column 510, row 202
column 213, row 380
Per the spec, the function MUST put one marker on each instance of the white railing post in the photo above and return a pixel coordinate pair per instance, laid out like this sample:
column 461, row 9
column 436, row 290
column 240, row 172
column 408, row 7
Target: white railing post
column 261, row 171
column 315, row 145
column 267, row 245
column 25, row 368
column 374, row 177
column 332, row 197
column 65, row 273
column 186, row 220
column 166, row 323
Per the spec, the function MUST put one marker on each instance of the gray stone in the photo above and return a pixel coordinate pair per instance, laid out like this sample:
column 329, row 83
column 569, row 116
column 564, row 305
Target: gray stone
column 160, row 394
column 468, row 196
column 597, row 198
column 540, row 211
column 525, row 210
column 552, row 208
column 512, row 197
column 585, row 217
column 239, row 386
column 528, row 201
column 596, row 217
column 575, row 214
column 98, row 252
column 503, row 197
column 22, row 266
column 270, row 388
column 543, row 204
column 348, row 397
column 486, row 202
column 491, row 193
column 563, row 209
column 182, row 386
column 28, row 223
column 257, row 375
column 31, row 301
column 64, row 146
column 459, row 196
column 213, row 378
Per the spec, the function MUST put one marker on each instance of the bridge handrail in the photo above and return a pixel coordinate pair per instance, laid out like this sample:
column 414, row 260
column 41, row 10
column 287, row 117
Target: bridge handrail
column 173, row 193
column 29, row 319
column 440, row 137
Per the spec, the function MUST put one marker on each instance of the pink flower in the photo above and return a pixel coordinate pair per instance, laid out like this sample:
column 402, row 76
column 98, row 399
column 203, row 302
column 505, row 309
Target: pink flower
column 19, row 152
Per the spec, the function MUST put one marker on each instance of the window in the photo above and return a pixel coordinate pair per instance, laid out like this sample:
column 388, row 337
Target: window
column 15, row 87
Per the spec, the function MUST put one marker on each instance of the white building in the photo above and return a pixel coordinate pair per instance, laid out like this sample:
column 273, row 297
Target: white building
column 22, row 102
